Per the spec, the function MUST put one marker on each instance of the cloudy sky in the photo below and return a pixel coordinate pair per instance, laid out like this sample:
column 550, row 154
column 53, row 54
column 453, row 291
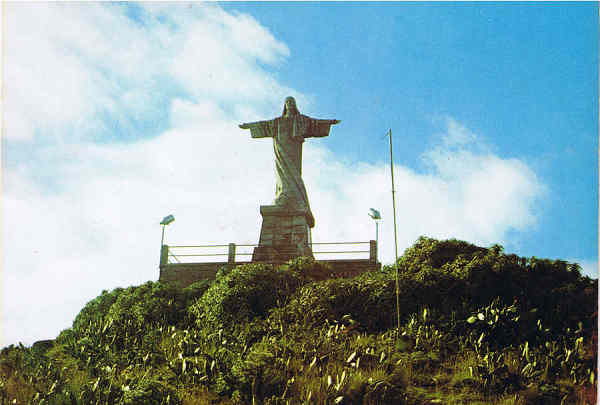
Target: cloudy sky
column 117, row 114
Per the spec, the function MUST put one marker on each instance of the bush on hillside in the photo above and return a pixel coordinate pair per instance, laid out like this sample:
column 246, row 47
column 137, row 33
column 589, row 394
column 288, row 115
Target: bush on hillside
column 429, row 252
column 370, row 301
column 461, row 274
column 136, row 307
column 96, row 309
column 110, row 325
column 250, row 291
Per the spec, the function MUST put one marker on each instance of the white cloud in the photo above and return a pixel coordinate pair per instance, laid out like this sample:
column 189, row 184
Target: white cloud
column 457, row 134
column 101, row 230
column 79, row 69
column 76, row 73
column 467, row 194
column 70, row 66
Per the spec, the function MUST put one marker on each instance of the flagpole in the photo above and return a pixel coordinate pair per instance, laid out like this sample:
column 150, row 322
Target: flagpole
column 395, row 236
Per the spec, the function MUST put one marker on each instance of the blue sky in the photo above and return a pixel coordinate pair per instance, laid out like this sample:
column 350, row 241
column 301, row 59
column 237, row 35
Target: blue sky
column 524, row 77
column 117, row 114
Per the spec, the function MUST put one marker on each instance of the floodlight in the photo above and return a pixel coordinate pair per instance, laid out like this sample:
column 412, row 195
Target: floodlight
column 167, row 220
column 374, row 214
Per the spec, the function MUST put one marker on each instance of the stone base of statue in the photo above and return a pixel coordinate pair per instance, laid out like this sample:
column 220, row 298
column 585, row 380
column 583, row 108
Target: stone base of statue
column 284, row 234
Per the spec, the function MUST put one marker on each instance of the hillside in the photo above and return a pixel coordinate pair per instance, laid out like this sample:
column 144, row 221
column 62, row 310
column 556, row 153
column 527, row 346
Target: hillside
column 478, row 326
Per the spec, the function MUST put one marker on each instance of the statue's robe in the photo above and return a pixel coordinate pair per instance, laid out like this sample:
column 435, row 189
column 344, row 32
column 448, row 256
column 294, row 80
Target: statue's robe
column 288, row 133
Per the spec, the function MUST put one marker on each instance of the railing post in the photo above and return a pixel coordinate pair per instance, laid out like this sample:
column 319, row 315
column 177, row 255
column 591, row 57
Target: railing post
column 373, row 251
column 164, row 255
column 231, row 255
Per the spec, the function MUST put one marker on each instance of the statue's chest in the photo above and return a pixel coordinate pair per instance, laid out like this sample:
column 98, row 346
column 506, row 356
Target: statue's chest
column 290, row 130
column 286, row 128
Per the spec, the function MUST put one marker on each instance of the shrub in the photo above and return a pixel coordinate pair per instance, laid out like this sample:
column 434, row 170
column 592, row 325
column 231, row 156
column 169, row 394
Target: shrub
column 369, row 301
column 96, row 309
column 250, row 291
column 433, row 253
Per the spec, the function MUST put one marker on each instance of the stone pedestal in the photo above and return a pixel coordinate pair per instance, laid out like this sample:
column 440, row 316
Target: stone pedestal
column 284, row 234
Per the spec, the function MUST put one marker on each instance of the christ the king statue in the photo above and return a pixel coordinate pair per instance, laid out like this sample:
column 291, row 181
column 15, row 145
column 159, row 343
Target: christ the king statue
column 288, row 133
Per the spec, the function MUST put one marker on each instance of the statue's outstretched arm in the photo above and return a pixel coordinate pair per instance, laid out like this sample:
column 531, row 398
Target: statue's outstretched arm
column 260, row 129
column 248, row 125
column 320, row 128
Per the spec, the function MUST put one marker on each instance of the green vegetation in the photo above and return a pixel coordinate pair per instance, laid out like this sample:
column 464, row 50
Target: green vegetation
column 478, row 327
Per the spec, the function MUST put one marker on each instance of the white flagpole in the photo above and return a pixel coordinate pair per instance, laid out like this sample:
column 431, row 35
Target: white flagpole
column 395, row 236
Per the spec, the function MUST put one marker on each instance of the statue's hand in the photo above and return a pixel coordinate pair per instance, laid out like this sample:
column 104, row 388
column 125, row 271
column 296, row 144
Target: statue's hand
column 336, row 122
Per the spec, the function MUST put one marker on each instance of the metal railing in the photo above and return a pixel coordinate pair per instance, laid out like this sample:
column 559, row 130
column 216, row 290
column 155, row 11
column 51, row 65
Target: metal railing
column 341, row 251
column 198, row 253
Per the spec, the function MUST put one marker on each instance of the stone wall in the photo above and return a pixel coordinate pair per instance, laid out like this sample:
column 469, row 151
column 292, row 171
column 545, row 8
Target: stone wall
column 185, row 274
column 351, row 267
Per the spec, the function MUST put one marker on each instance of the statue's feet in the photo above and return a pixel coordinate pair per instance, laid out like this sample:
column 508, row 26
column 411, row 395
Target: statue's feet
column 285, row 201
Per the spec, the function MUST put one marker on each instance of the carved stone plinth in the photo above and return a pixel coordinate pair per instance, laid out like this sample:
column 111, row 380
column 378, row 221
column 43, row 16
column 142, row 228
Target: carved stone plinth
column 284, row 234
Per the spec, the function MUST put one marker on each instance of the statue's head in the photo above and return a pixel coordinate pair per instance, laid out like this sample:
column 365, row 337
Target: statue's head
column 289, row 107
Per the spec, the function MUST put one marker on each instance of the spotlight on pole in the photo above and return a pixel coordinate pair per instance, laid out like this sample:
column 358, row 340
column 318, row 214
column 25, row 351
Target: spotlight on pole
column 376, row 216
column 374, row 213
column 166, row 221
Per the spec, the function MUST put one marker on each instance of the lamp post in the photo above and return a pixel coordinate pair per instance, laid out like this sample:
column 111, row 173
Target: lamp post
column 164, row 250
column 166, row 221
column 376, row 216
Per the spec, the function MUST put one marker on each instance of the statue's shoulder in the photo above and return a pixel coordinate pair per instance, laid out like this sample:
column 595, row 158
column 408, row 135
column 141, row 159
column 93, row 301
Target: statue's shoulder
column 306, row 118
